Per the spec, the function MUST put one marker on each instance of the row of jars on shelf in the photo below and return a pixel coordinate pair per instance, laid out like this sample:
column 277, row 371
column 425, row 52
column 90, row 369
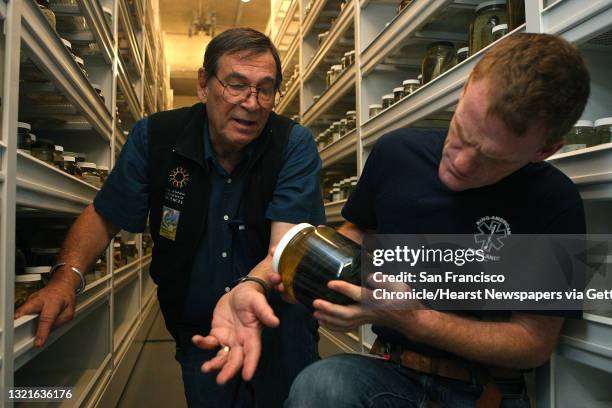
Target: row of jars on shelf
column 71, row 22
column 295, row 77
column 336, row 71
column 408, row 87
column 337, row 130
column 72, row 163
column 342, row 189
column 586, row 133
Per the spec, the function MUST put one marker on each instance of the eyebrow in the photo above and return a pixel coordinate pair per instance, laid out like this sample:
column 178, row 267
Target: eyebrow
column 239, row 76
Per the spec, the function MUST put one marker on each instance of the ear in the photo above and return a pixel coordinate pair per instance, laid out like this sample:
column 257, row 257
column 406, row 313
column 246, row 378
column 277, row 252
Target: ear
column 201, row 88
column 548, row 150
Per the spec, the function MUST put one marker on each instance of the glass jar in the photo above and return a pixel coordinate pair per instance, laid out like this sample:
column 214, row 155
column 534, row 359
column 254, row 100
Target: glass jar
column 25, row 285
column 420, row 78
column 374, row 109
column 336, row 193
column 308, row 257
column 440, row 58
column 322, row 37
column 603, row 130
column 329, row 79
column 411, row 85
column 336, row 131
column 346, row 60
column 351, row 122
column 98, row 90
column 131, row 251
column 403, row 4
column 320, row 140
column 89, row 173
column 67, row 44
column 488, row 15
column 337, row 71
column 462, row 54
column 81, row 64
column 103, row 173
column 108, row 16
column 499, row 31
column 351, row 57
column 24, row 139
column 44, row 256
column 58, row 157
column 387, row 101
column 43, row 5
column 578, row 137
column 118, row 259
column 343, row 127
column 398, row 94
column 43, row 149
column 43, row 271
column 100, row 267
column 516, row 13
column 71, row 167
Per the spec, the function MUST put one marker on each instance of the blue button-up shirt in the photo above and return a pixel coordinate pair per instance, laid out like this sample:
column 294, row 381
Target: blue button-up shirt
column 222, row 256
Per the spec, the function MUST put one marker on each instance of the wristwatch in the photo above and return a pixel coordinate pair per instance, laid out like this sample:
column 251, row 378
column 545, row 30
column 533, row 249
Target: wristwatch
column 247, row 278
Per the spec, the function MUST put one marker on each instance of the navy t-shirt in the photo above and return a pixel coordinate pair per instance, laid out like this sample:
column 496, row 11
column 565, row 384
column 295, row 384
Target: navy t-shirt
column 399, row 192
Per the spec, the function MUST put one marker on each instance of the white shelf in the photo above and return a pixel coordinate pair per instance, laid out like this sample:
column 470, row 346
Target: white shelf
column 345, row 19
column 586, row 352
column 332, row 95
column 45, row 187
column 289, row 98
column 139, row 17
column 313, row 15
column 25, row 328
column 333, row 211
column 2, row 16
column 126, row 310
column 125, row 85
column 96, row 22
column 590, row 169
column 289, row 18
column 52, row 57
column 126, row 273
column 340, row 149
column 291, row 55
column 128, row 29
column 577, row 20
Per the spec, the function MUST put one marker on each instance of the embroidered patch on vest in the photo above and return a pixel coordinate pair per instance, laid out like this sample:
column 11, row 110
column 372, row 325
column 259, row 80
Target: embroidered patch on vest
column 169, row 223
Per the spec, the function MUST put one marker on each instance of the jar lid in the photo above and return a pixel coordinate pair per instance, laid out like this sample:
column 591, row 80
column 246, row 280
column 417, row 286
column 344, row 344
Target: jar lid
column 603, row 122
column 107, row 10
column 96, row 87
column 284, row 241
column 499, row 27
column 33, row 137
column 411, row 82
column 88, row 165
column 132, row 242
column 38, row 269
column 387, row 96
column 347, row 54
column 27, row 278
column 348, row 113
column 584, row 123
column 485, row 4
column 464, row 49
column 69, row 159
column 23, row 125
column 420, row 77
column 398, row 89
column 336, row 67
column 99, row 261
column 343, row 121
column 336, row 123
column 352, row 52
column 375, row 106
column 66, row 43
column 117, row 245
column 103, row 168
column 79, row 60
column 59, row 148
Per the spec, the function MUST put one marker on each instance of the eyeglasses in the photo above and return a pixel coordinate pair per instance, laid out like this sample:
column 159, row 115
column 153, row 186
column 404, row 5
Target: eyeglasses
column 236, row 93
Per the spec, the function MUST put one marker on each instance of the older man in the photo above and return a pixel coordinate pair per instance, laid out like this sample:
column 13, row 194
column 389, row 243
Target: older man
column 221, row 182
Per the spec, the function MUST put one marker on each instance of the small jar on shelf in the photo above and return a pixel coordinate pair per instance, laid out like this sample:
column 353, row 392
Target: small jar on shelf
column 103, row 173
column 499, row 31
column 89, row 173
column 24, row 137
column 58, row 157
column 71, row 167
column 351, row 117
column 398, row 94
column 374, row 109
column 25, row 285
column 387, row 101
column 462, row 54
column 581, row 135
column 603, row 130
column 43, row 5
column 43, row 150
column 411, row 85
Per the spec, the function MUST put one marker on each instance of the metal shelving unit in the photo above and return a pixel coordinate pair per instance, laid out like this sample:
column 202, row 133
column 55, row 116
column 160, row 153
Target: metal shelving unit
column 104, row 320
column 389, row 49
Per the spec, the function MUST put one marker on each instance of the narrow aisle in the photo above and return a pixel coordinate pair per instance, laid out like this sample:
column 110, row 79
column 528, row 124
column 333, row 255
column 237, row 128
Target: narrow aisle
column 156, row 378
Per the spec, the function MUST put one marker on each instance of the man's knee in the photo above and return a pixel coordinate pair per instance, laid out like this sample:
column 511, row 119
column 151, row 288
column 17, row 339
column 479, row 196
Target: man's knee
column 328, row 382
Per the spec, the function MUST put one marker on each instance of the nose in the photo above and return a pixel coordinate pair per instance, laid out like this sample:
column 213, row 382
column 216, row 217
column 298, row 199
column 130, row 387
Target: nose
column 251, row 103
column 466, row 161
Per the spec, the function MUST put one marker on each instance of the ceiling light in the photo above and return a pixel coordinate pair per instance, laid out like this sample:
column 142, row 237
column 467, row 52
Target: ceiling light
column 245, row 1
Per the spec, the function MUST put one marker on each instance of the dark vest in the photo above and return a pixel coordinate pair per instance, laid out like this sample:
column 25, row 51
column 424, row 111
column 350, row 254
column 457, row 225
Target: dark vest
column 180, row 193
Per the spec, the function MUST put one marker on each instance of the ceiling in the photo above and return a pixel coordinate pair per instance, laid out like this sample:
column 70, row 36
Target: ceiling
column 184, row 54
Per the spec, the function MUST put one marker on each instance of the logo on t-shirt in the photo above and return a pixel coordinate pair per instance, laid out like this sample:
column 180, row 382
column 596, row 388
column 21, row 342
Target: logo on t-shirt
column 490, row 235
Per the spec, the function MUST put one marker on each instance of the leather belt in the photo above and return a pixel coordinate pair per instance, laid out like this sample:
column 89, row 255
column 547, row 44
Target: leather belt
column 454, row 369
